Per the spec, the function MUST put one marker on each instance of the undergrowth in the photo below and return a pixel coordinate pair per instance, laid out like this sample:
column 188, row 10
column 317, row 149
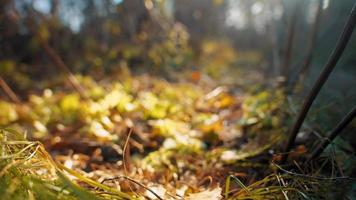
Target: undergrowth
column 145, row 138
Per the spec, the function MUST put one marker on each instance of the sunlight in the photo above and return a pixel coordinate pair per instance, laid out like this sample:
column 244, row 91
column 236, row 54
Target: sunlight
column 43, row 6
column 117, row 1
column 326, row 4
column 235, row 16
column 177, row 99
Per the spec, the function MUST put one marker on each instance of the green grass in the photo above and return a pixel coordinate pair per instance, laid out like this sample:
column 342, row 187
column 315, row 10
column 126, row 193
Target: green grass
column 28, row 172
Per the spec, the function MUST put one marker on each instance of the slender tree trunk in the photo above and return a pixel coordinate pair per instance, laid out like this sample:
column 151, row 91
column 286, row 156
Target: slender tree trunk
column 328, row 68
column 274, row 42
column 54, row 7
column 302, row 73
column 288, row 48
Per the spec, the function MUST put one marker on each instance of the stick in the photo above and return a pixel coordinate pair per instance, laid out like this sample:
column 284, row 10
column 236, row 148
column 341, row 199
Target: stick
column 134, row 181
column 328, row 68
column 8, row 91
column 335, row 132
column 56, row 59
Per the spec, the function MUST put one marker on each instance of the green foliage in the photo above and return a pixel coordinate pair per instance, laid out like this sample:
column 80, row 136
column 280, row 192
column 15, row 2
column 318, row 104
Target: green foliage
column 186, row 138
column 188, row 129
column 8, row 113
column 16, row 72
column 69, row 106
column 216, row 57
column 263, row 108
column 174, row 51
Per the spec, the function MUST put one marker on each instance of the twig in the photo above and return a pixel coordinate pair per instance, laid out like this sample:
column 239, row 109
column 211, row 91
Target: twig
column 8, row 91
column 126, row 157
column 126, row 154
column 328, row 68
column 134, row 181
column 206, row 178
column 335, row 132
column 57, row 60
column 312, row 177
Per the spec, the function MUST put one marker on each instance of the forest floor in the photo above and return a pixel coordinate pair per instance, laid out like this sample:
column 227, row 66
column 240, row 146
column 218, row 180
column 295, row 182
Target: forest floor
column 143, row 137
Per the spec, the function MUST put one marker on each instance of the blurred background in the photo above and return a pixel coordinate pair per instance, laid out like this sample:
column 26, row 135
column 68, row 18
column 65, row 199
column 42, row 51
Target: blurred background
column 243, row 43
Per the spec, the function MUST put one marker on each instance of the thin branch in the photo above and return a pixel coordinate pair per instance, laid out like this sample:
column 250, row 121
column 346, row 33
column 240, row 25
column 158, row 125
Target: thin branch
column 57, row 60
column 8, row 91
column 312, row 177
column 134, row 181
column 335, row 132
column 126, row 154
column 328, row 68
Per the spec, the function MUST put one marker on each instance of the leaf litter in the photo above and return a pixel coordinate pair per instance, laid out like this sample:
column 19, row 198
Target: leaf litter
column 144, row 138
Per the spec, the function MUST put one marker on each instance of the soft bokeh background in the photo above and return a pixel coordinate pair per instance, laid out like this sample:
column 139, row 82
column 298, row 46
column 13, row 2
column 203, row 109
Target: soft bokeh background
column 179, row 96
